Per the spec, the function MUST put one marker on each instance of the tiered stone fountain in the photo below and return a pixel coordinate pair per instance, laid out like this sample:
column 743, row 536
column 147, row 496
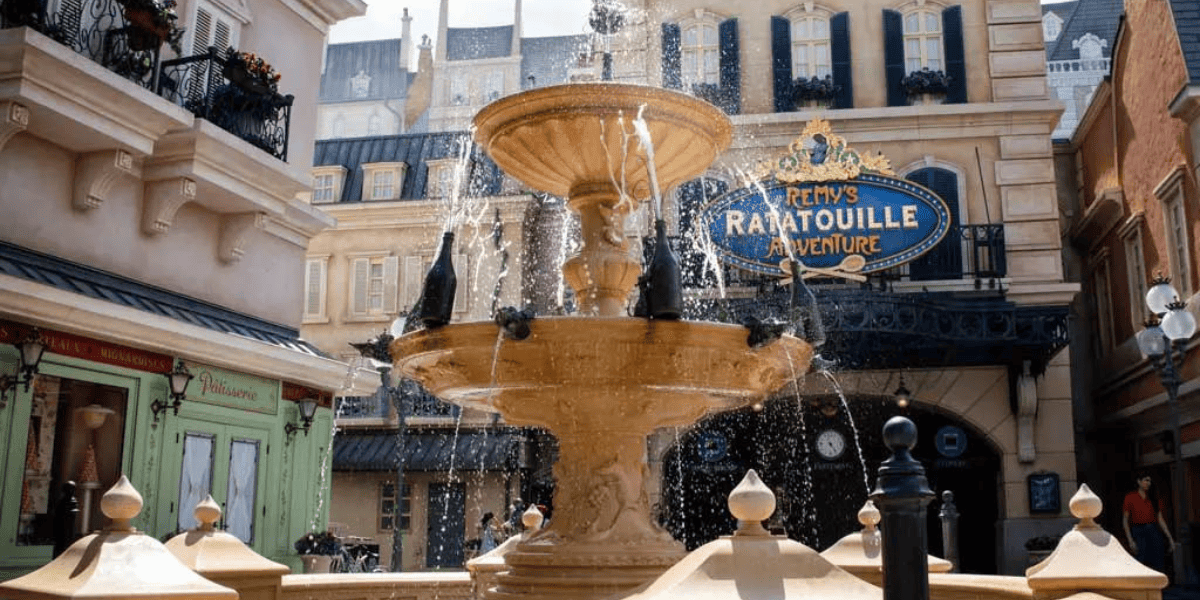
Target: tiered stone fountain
column 600, row 381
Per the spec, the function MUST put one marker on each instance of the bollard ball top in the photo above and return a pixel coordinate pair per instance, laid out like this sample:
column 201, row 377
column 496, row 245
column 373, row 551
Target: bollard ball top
column 899, row 433
column 947, row 496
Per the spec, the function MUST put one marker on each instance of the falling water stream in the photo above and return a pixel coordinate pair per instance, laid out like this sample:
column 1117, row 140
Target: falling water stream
column 837, row 387
column 808, row 495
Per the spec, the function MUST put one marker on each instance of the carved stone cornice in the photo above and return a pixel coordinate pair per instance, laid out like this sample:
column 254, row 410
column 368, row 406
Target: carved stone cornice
column 235, row 232
column 95, row 174
column 162, row 200
column 14, row 118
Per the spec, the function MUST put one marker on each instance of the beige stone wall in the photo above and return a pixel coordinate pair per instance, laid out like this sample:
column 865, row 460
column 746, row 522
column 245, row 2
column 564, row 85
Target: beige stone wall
column 356, row 119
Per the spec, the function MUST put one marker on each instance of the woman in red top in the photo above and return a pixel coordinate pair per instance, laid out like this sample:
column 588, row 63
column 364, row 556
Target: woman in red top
column 1142, row 518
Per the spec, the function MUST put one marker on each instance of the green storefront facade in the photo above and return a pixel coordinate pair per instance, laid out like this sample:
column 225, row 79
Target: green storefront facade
column 87, row 417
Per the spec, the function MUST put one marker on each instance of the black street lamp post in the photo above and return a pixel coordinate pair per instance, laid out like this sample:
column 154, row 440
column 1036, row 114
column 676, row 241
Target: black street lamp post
column 1159, row 342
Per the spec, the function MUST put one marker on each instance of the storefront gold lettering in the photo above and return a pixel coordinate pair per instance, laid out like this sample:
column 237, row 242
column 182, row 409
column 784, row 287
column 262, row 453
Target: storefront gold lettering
column 864, row 245
column 767, row 222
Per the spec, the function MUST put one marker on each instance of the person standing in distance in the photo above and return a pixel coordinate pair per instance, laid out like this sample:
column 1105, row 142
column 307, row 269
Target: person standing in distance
column 1143, row 520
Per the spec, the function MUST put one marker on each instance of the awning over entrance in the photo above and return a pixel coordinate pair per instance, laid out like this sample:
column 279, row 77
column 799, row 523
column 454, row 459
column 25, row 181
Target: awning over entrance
column 426, row 451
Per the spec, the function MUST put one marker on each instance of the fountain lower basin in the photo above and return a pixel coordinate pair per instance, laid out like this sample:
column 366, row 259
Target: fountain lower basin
column 656, row 372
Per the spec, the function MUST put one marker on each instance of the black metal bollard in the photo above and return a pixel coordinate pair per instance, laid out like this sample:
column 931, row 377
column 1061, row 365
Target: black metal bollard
column 66, row 508
column 949, row 517
column 902, row 494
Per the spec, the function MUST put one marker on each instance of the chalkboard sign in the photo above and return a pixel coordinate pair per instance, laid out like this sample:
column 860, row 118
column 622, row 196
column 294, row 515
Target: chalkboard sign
column 1044, row 497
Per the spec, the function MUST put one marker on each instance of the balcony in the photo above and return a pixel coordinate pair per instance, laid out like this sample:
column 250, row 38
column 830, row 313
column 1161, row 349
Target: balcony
column 110, row 35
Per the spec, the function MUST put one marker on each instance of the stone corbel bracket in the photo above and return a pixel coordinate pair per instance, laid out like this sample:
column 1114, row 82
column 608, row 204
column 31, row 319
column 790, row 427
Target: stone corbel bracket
column 1027, row 405
column 95, row 174
column 162, row 200
column 236, row 230
column 14, row 118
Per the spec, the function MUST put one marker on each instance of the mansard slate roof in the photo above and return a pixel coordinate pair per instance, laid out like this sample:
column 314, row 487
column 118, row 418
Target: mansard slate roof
column 415, row 150
column 379, row 60
column 424, row 450
column 548, row 59
column 123, row 291
column 1187, row 23
column 1098, row 17
column 479, row 42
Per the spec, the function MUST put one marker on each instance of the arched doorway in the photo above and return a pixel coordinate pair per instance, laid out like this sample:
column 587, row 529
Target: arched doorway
column 810, row 458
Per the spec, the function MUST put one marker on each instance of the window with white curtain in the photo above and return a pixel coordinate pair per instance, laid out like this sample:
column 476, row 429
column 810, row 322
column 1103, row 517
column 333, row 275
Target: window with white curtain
column 700, row 53
column 923, row 41
column 810, row 45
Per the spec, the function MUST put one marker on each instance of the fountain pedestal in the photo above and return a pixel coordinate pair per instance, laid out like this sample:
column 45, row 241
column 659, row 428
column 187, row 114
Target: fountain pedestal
column 599, row 382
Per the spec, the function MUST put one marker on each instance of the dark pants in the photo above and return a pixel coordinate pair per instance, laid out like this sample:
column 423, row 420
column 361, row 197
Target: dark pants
column 1151, row 546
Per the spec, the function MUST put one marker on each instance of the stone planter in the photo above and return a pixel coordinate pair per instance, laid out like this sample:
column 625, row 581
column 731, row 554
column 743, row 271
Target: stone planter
column 316, row 563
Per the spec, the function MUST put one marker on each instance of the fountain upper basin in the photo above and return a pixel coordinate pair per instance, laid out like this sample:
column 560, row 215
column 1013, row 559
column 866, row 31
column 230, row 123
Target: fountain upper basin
column 596, row 373
column 559, row 137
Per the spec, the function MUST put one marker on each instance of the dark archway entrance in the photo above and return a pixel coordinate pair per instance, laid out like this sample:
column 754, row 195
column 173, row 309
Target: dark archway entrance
column 818, row 481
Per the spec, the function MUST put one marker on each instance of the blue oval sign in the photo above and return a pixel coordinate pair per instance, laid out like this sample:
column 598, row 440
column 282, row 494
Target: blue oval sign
column 884, row 220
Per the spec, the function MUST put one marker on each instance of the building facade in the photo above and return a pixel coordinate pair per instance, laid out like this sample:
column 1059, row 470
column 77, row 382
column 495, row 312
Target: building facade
column 1079, row 41
column 155, row 194
column 1130, row 175
column 979, row 136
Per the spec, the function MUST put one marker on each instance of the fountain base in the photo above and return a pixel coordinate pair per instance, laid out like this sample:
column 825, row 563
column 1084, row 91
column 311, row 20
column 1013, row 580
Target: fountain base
column 543, row 569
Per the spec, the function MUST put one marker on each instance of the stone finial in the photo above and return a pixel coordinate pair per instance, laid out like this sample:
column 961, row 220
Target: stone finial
column 532, row 518
column 751, row 502
column 207, row 513
column 1086, row 506
column 121, row 503
column 869, row 516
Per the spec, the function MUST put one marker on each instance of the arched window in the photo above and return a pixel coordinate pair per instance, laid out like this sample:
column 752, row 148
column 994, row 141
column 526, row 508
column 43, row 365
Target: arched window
column 923, row 41
column 810, row 45
column 700, row 53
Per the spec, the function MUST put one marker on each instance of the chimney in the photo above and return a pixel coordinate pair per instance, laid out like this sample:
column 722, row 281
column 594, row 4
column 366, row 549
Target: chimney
column 443, row 25
column 405, row 40
column 516, row 41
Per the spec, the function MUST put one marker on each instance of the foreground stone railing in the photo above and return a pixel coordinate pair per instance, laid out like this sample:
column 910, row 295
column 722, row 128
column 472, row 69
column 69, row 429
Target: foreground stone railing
column 454, row 585
column 963, row 586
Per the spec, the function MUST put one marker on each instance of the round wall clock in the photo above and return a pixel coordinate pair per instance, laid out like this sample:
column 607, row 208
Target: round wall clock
column 831, row 444
column 711, row 446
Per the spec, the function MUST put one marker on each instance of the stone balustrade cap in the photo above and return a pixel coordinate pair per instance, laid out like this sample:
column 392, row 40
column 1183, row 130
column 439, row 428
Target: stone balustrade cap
column 119, row 562
column 215, row 553
column 861, row 552
column 1088, row 557
column 750, row 565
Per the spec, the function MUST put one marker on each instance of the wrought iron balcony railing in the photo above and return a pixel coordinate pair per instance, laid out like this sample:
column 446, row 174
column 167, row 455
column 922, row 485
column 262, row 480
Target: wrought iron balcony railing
column 98, row 29
column 214, row 88
column 112, row 34
column 967, row 252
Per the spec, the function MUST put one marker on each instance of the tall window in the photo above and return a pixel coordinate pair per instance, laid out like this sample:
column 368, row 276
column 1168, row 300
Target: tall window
column 923, row 41
column 314, row 288
column 393, row 506
column 700, row 54
column 810, row 46
column 1102, row 294
column 1135, row 267
column 1170, row 192
column 374, row 286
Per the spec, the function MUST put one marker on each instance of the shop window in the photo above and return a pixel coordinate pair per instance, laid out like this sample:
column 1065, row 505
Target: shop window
column 389, row 503
column 240, row 493
column 75, row 433
column 373, row 286
column 196, row 474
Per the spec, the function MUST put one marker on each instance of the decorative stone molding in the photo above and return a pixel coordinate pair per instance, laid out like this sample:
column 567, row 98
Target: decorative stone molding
column 162, row 200
column 95, row 174
column 14, row 118
column 235, row 232
column 1027, row 405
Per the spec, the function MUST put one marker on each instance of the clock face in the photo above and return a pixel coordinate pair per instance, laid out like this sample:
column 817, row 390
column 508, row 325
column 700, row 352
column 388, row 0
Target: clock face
column 830, row 444
column 711, row 446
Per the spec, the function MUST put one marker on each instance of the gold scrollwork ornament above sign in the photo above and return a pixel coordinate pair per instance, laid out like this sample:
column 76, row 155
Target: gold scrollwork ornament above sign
column 821, row 155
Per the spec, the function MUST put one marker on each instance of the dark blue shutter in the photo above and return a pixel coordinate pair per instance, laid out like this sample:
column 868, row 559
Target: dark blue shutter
column 839, row 30
column 893, row 57
column 956, row 65
column 731, row 72
column 781, row 62
column 943, row 261
column 672, row 77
